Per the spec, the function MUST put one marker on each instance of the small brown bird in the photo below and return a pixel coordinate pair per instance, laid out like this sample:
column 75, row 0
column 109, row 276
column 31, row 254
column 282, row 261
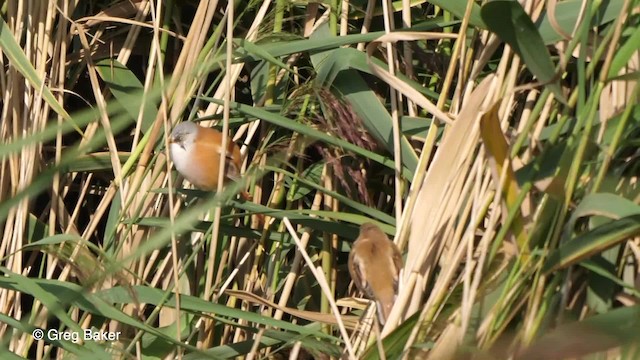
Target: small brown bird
column 196, row 152
column 374, row 264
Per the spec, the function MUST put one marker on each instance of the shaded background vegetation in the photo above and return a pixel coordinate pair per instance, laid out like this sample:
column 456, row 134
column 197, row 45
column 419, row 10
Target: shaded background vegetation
column 496, row 141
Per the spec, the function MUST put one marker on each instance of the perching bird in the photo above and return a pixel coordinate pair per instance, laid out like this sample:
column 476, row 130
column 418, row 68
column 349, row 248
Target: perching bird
column 196, row 153
column 374, row 264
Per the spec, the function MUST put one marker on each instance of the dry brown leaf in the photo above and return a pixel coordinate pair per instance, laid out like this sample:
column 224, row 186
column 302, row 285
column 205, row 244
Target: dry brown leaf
column 349, row 321
column 121, row 10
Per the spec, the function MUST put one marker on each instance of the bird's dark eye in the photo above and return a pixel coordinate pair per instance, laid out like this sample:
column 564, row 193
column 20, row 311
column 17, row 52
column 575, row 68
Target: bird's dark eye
column 180, row 140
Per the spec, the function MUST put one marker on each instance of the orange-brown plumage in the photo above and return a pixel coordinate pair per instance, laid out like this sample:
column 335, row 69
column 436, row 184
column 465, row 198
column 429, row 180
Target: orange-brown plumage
column 196, row 152
column 208, row 147
column 374, row 264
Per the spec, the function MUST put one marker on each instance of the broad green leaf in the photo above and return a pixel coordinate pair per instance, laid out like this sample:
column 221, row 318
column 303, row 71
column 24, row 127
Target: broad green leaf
column 458, row 8
column 619, row 327
column 330, row 64
column 36, row 229
column 157, row 346
column 235, row 350
column 600, row 290
column 128, row 91
column 511, row 23
column 567, row 15
column 624, row 53
column 112, row 224
column 375, row 117
column 336, row 69
column 545, row 171
column 601, row 207
column 298, row 189
column 417, row 126
column 395, row 342
column 259, row 81
column 607, row 205
column 247, row 48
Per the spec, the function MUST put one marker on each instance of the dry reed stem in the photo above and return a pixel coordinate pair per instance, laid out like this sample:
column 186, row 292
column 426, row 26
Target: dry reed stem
column 297, row 260
column 319, row 276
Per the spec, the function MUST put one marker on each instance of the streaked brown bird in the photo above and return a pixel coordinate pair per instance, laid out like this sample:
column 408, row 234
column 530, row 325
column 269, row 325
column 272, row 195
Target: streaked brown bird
column 196, row 152
column 374, row 264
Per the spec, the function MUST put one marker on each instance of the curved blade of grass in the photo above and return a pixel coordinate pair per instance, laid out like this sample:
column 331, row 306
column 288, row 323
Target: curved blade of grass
column 55, row 294
column 612, row 278
column 371, row 212
column 288, row 47
column 350, row 321
column 269, row 338
column 299, row 217
column 87, row 258
column 287, row 123
column 67, row 345
column 592, row 242
column 93, row 162
column 20, row 61
column 52, row 300
column 44, row 179
column 252, row 208
column 48, row 133
column 248, row 48
column 199, row 306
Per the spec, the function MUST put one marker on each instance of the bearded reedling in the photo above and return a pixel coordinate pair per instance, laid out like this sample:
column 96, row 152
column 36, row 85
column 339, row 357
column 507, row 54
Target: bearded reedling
column 374, row 264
